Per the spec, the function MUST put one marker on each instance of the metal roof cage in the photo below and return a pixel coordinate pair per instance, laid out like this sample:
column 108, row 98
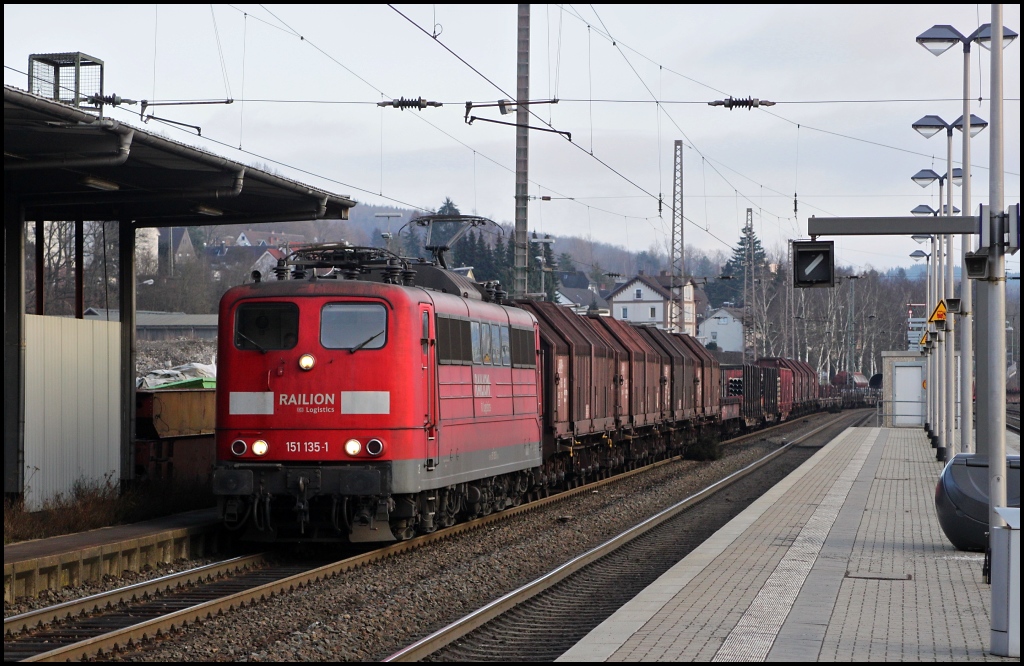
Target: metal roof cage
column 71, row 78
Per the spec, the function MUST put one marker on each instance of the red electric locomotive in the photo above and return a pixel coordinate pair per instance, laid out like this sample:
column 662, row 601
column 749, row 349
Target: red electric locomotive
column 367, row 397
column 362, row 398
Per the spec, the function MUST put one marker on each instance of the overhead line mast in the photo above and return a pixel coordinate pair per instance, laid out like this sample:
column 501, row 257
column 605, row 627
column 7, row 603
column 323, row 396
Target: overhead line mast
column 522, row 149
column 676, row 321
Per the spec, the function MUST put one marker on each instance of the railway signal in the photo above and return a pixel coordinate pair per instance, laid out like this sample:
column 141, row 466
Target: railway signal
column 813, row 264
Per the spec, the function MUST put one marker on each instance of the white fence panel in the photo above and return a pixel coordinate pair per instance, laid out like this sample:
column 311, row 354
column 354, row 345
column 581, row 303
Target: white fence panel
column 72, row 406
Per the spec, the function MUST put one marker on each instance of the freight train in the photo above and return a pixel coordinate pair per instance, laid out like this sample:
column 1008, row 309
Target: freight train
column 366, row 397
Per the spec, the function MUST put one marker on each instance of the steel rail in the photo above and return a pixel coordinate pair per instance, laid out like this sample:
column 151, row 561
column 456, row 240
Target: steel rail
column 121, row 638
column 104, row 600
column 442, row 637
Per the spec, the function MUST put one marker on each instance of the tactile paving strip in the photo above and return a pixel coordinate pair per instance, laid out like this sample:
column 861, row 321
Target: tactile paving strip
column 753, row 635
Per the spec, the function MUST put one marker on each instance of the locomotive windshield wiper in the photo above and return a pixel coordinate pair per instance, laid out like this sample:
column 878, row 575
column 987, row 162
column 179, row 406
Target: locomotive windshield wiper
column 250, row 341
column 368, row 340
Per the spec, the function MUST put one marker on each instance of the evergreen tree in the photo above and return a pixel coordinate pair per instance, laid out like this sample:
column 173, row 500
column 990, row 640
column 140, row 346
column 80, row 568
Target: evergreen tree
column 501, row 271
column 483, row 260
column 735, row 270
column 410, row 245
column 441, row 233
column 448, row 208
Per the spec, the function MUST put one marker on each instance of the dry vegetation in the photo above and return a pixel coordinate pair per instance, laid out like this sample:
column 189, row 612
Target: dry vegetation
column 90, row 506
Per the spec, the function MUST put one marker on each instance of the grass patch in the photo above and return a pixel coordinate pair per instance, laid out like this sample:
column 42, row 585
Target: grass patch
column 90, row 505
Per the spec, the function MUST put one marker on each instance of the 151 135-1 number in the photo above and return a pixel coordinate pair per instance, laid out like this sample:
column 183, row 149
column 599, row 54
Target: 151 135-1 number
column 307, row 447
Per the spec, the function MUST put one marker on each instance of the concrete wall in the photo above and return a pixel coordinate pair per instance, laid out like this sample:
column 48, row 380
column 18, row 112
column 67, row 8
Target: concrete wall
column 72, row 406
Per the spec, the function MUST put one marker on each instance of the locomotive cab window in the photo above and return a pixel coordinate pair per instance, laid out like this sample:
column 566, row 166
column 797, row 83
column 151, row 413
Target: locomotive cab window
column 265, row 326
column 353, row 326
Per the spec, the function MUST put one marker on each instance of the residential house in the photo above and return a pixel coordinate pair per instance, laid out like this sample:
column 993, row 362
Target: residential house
column 269, row 239
column 653, row 300
column 724, row 327
column 243, row 259
column 573, row 279
column 693, row 300
column 179, row 252
column 640, row 300
column 581, row 301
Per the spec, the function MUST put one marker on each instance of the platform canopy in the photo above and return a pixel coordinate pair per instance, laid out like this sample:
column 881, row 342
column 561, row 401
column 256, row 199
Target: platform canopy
column 62, row 163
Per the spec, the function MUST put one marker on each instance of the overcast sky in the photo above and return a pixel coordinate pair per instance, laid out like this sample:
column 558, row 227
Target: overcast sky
column 848, row 82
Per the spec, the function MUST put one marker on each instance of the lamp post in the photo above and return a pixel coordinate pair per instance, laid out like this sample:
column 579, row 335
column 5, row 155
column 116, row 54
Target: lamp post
column 930, row 381
column 543, row 269
column 387, row 235
column 938, row 39
column 928, row 127
column 933, row 426
column 992, row 306
column 544, row 244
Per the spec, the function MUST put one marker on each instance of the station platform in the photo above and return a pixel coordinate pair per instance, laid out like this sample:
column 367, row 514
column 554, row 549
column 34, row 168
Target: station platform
column 844, row 560
column 73, row 559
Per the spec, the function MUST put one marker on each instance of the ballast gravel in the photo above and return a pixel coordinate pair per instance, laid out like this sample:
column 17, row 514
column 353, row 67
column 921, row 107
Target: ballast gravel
column 107, row 583
column 372, row 612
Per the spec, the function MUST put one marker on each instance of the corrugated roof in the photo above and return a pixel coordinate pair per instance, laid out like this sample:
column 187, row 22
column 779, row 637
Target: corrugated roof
column 146, row 318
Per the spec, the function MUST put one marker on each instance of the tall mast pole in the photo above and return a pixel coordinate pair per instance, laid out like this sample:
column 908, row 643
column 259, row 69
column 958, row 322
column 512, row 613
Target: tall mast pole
column 522, row 149
column 677, row 320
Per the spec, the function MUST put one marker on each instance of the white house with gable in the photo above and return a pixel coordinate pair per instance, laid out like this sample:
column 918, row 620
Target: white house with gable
column 647, row 300
column 724, row 327
column 640, row 300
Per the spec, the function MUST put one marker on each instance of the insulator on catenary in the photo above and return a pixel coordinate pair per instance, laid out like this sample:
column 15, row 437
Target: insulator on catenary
column 403, row 103
column 743, row 103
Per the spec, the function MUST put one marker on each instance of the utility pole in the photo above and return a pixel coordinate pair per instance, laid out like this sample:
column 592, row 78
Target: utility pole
column 522, row 149
column 748, row 277
column 676, row 320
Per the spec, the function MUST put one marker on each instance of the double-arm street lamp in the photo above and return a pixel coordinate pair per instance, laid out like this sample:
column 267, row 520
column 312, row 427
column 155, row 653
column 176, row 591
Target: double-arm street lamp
column 931, row 371
column 935, row 422
column 928, row 127
column 937, row 40
column 991, row 304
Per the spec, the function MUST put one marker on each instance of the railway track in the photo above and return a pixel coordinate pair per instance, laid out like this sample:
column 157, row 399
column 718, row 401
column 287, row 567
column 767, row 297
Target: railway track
column 1013, row 417
column 97, row 625
column 542, row 619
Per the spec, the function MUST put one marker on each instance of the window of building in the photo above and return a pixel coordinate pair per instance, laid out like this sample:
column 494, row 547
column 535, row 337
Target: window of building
column 714, row 335
column 638, row 294
column 652, row 313
column 625, row 313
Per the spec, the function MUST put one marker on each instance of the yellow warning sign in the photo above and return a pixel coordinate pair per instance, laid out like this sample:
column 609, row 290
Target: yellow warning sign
column 924, row 339
column 939, row 313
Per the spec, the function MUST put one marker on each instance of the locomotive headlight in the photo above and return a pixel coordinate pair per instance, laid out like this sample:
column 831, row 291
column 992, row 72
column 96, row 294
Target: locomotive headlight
column 259, row 447
column 306, row 361
column 353, row 447
column 238, row 447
